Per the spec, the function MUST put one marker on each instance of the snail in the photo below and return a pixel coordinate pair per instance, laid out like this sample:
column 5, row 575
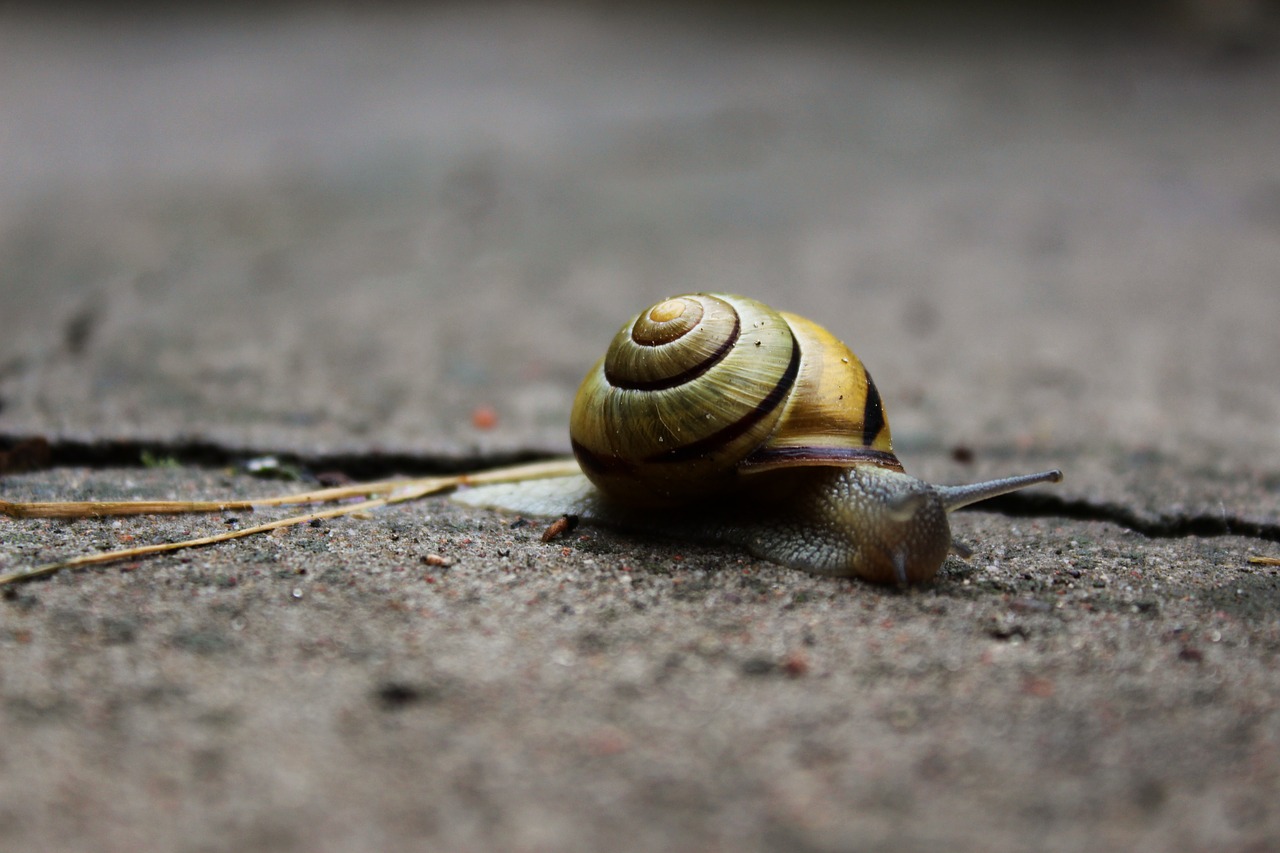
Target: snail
column 711, row 417
column 715, row 417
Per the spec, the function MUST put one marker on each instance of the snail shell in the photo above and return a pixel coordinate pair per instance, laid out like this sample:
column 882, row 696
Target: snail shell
column 715, row 417
column 702, row 390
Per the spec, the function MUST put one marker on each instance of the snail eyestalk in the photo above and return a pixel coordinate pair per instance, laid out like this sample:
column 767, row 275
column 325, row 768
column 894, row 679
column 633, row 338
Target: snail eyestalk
column 955, row 497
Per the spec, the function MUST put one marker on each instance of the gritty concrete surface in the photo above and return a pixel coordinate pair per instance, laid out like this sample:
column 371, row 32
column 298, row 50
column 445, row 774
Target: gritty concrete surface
column 322, row 233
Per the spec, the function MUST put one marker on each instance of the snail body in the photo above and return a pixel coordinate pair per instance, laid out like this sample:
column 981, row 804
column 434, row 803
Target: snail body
column 715, row 417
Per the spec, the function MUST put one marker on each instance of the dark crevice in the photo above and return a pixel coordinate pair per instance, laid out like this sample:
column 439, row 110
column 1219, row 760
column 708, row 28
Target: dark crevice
column 1153, row 525
column 364, row 465
column 373, row 465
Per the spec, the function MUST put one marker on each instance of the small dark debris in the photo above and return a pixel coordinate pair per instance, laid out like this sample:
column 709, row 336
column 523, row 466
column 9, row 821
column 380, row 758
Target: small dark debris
column 563, row 525
column 330, row 479
column 518, row 523
column 758, row 666
column 23, row 601
column 1190, row 654
column 396, row 695
column 962, row 454
column 1008, row 632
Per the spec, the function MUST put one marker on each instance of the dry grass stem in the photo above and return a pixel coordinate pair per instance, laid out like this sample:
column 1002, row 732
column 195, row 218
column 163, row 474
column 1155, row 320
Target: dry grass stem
column 376, row 495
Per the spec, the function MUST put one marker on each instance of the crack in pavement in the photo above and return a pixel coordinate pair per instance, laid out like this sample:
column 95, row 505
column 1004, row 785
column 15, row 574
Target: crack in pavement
column 1154, row 525
column 373, row 465
column 362, row 465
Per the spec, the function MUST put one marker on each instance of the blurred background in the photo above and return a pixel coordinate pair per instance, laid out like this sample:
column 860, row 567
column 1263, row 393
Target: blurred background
column 412, row 227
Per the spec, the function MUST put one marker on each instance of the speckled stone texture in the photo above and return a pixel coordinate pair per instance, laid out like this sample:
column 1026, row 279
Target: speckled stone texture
column 402, row 237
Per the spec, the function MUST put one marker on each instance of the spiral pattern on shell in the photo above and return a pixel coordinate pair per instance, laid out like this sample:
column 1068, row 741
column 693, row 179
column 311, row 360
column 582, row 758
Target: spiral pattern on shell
column 701, row 390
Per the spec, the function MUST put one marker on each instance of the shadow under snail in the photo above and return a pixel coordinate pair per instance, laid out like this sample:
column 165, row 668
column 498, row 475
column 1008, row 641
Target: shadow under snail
column 715, row 417
column 711, row 417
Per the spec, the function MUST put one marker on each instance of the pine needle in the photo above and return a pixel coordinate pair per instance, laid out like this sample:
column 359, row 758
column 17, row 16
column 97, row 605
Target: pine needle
column 376, row 495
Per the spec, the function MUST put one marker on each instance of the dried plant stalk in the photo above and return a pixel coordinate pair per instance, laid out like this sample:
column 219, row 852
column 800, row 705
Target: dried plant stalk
column 379, row 494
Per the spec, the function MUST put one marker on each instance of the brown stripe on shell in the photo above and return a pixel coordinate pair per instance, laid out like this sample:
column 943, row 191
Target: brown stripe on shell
column 740, row 427
column 685, row 376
